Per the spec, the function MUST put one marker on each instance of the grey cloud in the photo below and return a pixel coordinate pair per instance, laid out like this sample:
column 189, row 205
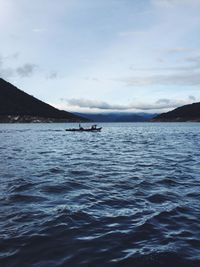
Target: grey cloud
column 95, row 79
column 26, row 70
column 181, row 79
column 178, row 68
column 195, row 60
column 39, row 30
column 160, row 60
column 192, row 98
column 180, row 50
column 13, row 56
column 193, row 63
column 6, row 72
column 52, row 75
column 188, row 75
column 160, row 104
column 93, row 104
column 163, row 101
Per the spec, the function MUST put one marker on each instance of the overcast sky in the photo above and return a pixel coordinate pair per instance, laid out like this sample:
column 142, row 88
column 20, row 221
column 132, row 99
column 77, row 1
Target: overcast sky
column 103, row 55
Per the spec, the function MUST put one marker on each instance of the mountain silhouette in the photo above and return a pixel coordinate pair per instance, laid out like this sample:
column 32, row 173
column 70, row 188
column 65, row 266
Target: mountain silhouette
column 18, row 106
column 117, row 116
column 189, row 112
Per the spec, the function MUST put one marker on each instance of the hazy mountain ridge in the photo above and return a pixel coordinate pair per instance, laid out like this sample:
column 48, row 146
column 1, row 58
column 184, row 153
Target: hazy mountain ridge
column 117, row 117
column 184, row 113
column 18, row 106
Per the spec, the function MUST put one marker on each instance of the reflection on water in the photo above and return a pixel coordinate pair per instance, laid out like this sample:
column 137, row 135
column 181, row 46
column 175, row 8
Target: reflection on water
column 128, row 196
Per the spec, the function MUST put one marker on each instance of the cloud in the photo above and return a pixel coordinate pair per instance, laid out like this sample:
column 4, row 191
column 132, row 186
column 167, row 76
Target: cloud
column 178, row 68
column 195, row 59
column 160, row 60
column 194, row 64
column 6, row 72
column 192, row 98
column 180, row 79
column 186, row 75
column 93, row 104
column 13, row 56
column 160, row 104
column 52, row 75
column 173, row 3
column 39, row 30
column 26, row 70
column 180, row 50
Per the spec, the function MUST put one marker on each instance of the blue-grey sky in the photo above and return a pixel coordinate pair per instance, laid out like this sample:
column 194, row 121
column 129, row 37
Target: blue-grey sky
column 103, row 55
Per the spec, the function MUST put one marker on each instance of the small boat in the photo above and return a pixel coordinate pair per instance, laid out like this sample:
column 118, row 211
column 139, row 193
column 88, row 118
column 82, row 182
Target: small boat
column 93, row 128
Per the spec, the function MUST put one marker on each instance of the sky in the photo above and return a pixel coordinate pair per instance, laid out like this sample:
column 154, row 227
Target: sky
column 103, row 55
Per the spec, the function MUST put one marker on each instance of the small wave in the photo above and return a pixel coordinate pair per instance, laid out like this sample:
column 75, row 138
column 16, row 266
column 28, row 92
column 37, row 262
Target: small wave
column 20, row 188
column 56, row 170
column 168, row 181
column 156, row 259
column 158, row 198
column 25, row 198
column 55, row 189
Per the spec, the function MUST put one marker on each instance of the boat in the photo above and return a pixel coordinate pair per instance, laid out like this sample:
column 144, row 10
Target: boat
column 93, row 128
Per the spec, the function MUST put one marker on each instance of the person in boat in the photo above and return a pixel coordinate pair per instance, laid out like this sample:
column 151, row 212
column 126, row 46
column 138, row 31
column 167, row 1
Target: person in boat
column 94, row 127
column 80, row 127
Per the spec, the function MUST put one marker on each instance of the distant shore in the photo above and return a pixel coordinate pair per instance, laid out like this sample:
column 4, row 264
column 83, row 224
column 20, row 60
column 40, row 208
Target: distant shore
column 35, row 119
column 31, row 119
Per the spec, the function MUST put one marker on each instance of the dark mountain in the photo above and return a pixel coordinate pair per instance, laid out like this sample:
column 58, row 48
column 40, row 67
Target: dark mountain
column 189, row 112
column 117, row 117
column 148, row 116
column 18, row 106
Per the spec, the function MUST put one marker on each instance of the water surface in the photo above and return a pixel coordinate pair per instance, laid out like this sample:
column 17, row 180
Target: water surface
column 128, row 196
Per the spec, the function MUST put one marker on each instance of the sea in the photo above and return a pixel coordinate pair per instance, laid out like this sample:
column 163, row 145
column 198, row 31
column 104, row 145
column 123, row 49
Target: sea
column 126, row 196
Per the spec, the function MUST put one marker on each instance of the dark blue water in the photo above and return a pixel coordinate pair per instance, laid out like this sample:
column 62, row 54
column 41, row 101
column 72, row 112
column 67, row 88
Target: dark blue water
column 128, row 196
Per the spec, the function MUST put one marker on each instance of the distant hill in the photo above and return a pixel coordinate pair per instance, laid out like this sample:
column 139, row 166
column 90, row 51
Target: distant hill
column 189, row 112
column 117, row 117
column 18, row 106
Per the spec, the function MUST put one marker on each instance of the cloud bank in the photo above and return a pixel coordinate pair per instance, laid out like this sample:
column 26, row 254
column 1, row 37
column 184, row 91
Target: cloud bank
column 160, row 104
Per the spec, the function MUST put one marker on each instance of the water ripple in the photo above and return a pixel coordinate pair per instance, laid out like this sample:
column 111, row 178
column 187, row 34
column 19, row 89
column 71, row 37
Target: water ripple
column 128, row 196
